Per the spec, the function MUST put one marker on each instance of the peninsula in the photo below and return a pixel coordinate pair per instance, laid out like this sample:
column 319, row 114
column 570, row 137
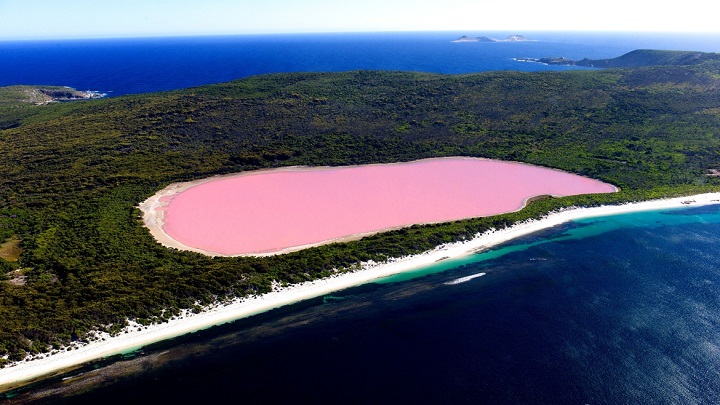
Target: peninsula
column 637, row 58
column 41, row 95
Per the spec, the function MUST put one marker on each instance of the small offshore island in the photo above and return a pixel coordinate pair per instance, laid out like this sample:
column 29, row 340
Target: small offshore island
column 85, row 279
column 509, row 38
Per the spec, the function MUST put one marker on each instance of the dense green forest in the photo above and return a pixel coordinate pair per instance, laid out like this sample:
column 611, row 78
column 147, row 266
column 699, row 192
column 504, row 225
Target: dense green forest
column 77, row 257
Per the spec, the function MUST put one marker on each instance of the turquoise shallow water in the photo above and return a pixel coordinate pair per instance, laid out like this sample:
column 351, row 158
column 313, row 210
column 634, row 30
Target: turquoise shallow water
column 576, row 230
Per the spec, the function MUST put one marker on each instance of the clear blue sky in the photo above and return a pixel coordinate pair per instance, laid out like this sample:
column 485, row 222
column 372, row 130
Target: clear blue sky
column 35, row 19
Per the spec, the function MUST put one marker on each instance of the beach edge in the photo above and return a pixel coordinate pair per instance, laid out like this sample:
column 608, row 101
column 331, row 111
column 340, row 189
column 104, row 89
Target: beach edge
column 137, row 336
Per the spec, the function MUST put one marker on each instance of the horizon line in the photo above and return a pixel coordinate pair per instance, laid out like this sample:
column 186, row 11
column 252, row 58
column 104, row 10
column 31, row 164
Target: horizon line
column 258, row 34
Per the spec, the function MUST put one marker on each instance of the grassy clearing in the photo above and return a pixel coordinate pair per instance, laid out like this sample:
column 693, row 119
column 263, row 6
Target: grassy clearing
column 11, row 250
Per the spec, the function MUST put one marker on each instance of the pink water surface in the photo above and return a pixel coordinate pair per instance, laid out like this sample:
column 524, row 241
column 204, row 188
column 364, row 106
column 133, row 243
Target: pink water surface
column 274, row 210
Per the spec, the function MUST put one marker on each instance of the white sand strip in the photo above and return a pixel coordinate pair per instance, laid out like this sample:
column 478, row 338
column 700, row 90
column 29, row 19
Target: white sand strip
column 224, row 313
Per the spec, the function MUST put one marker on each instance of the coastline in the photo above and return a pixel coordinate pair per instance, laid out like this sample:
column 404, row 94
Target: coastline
column 137, row 336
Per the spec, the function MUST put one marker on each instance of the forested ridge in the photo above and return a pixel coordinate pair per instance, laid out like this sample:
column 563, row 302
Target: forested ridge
column 72, row 174
column 640, row 58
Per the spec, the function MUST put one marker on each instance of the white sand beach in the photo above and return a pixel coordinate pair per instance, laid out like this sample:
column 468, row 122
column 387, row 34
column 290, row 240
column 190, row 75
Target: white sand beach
column 137, row 336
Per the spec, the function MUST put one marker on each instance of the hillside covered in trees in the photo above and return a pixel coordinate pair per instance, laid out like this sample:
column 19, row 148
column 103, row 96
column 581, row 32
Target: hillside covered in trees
column 639, row 58
column 74, row 255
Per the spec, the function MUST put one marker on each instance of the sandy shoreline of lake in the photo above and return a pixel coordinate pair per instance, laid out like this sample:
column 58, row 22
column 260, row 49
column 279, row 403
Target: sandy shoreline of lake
column 155, row 208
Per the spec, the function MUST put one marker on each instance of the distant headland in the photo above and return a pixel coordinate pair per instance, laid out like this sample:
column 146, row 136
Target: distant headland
column 509, row 38
column 636, row 58
column 41, row 95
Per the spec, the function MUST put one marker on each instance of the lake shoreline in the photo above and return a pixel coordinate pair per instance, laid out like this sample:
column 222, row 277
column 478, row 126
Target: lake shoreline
column 492, row 189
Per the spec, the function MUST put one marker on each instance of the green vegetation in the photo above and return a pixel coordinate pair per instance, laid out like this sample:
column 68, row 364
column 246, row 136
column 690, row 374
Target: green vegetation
column 18, row 96
column 640, row 58
column 651, row 57
column 10, row 250
column 18, row 103
column 72, row 174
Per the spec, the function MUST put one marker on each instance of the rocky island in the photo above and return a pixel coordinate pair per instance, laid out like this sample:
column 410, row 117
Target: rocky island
column 509, row 38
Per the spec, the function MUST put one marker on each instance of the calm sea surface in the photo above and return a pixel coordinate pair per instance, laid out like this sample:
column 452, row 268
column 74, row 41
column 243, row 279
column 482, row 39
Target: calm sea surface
column 122, row 66
column 622, row 309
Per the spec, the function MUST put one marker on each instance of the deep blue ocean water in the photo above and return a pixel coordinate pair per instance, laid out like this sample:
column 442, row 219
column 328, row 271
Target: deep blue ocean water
column 124, row 66
column 622, row 309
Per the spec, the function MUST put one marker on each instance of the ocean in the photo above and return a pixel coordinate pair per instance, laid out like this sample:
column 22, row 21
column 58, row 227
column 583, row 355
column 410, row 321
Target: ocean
column 140, row 65
column 621, row 309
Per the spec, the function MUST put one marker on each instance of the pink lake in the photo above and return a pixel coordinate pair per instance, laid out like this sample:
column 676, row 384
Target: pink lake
column 281, row 210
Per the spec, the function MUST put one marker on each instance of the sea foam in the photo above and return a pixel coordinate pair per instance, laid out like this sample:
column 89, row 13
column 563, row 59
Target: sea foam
column 464, row 279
